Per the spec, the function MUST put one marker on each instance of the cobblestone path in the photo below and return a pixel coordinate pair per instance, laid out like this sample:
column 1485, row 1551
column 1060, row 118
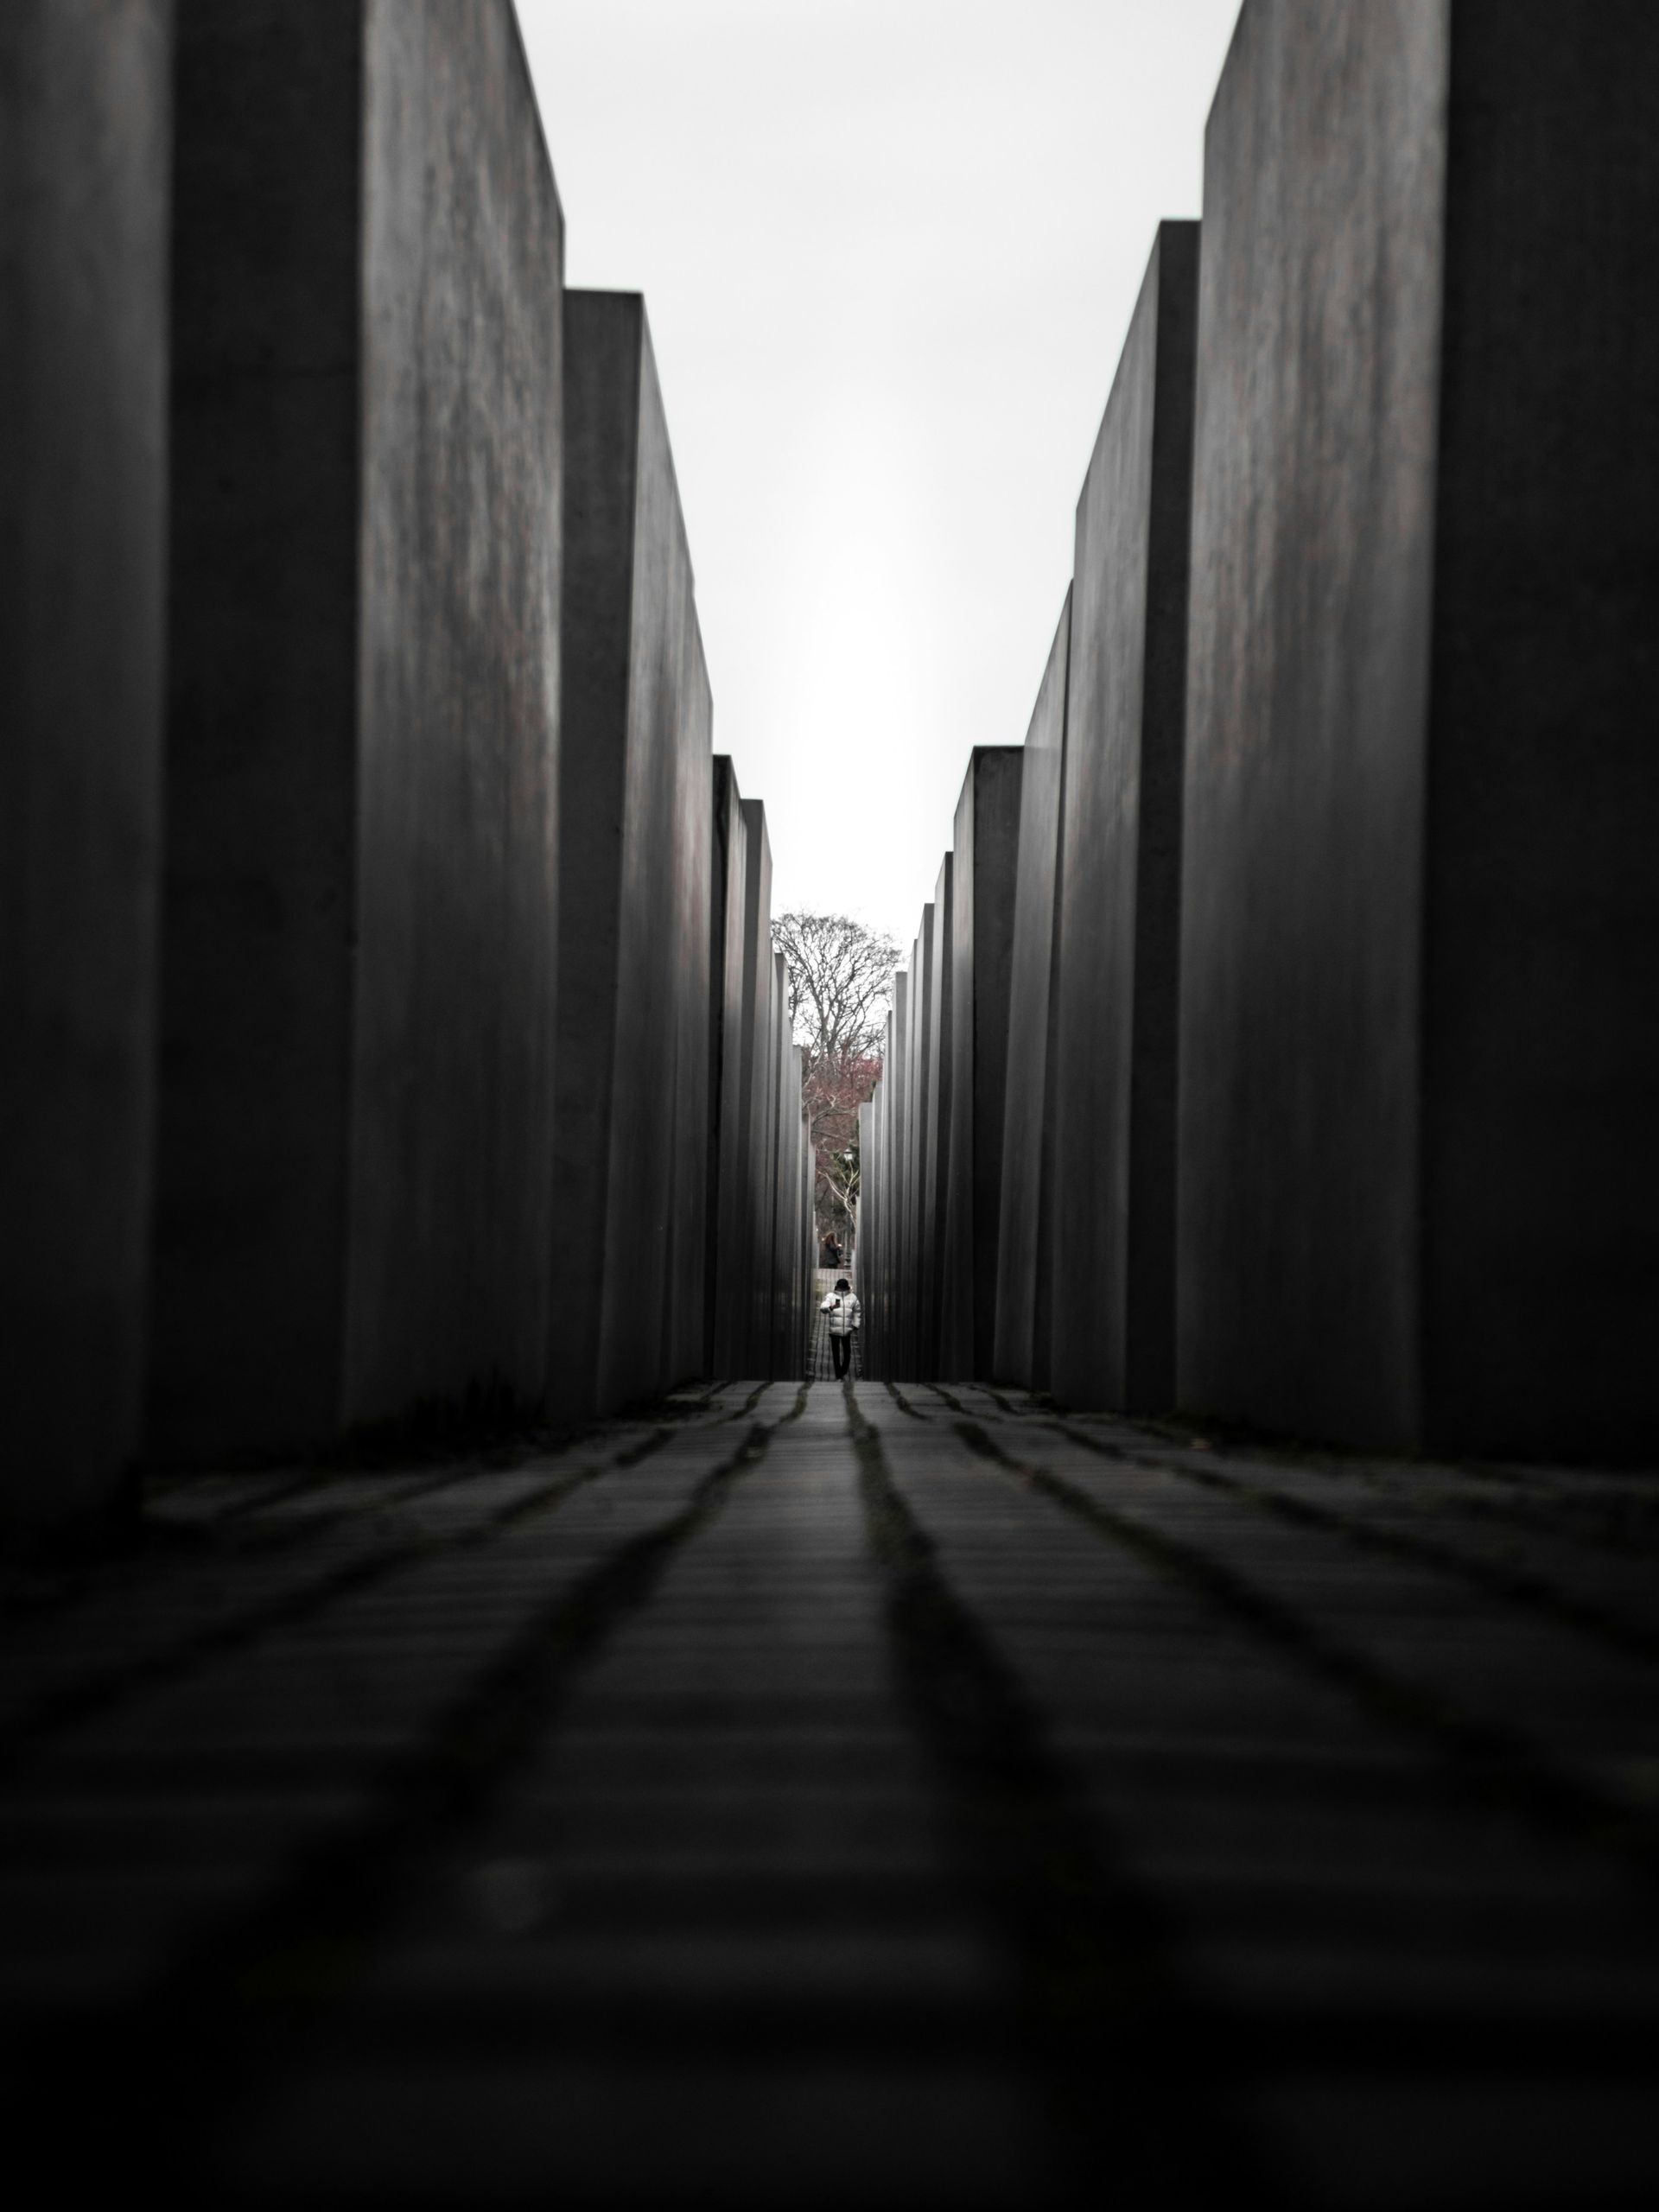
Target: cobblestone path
column 893, row 1798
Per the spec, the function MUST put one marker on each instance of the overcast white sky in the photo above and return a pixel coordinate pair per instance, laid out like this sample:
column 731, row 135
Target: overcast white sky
column 889, row 250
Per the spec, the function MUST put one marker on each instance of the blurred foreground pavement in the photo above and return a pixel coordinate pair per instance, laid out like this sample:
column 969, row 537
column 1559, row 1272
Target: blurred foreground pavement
column 907, row 1798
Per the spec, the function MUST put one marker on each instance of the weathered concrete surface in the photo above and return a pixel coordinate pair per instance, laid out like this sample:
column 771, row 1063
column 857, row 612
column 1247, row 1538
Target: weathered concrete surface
column 802, row 1253
column 807, row 1276
column 1419, row 1042
column 1116, row 1031
column 926, row 1079
column 887, row 1286
column 762, row 1248
column 787, row 1233
column 873, row 1225
column 461, row 462
column 896, row 1074
column 761, row 1124
column 1540, row 1205
column 602, row 354
column 1040, row 1808
column 918, row 1209
column 936, row 1146
column 782, row 1183
column 727, row 1261
column 766, row 1166
column 905, row 1194
column 986, row 848
column 360, row 903
column 1025, row 1240
column 863, row 1272
column 252, row 1237
column 634, row 836
column 658, row 969
column 84, row 107
column 687, row 1343
column 878, row 1320
column 1311, row 575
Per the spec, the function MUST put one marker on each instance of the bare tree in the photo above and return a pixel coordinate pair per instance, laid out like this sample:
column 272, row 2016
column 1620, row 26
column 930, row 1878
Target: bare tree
column 840, row 986
column 833, row 1092
column 841, row 983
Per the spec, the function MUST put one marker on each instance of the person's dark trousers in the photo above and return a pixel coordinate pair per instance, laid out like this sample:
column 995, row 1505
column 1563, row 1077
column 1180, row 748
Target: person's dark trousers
column 842, row 1351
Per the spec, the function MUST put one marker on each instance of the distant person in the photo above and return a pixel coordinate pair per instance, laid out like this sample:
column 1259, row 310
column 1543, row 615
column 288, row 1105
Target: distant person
column 831, row 1249
column 843, row 1308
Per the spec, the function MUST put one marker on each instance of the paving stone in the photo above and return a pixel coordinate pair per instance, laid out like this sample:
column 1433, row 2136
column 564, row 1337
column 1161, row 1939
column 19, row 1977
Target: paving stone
column 764, row 2133
column 1431, row 2142
column 719, row 1813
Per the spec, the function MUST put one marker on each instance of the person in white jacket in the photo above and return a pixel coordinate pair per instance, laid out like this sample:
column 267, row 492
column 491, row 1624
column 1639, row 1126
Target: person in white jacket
column 843, row 1308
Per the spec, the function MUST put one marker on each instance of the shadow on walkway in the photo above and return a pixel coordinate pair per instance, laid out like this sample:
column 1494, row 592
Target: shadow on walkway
column 889, row 1798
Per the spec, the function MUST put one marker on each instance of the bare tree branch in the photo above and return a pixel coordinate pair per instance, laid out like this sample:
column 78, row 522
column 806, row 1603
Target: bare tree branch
column 842, row 976
column 841, row 987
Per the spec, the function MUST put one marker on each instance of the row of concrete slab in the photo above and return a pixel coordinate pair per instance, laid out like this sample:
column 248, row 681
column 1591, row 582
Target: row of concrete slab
column 392, row 1031
column 1282, row 1043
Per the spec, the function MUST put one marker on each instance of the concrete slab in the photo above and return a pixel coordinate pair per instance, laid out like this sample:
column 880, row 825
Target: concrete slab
column 809, row 1243
column 909, row 1197
column 601, row 415
column 725, row 1273
column 794, row 1251
column 986, row 848
column 787, row 1231
column 936, row 1147
column 756, row 1137
column 919, row 1087
column 1419, row 1042
column 896, row 1074
column 1116, row 1022
column 635, row 832
column 888, row 1293
column 1025, row 1241
column 873, row 1225
column 862, row 1274
column 776, row 1197
column 687, row 1347
column 660, row 968
column 904, row 1107
column 777, row 1277
column 867, row 1276
column 881, row 1347
column 802, row 1269
column 84, row 107
column 764, row 1140
column 360, row 907
column 456, row 897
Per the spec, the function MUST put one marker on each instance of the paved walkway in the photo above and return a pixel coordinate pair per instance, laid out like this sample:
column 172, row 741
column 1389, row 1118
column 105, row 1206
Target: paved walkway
column 903, row 1799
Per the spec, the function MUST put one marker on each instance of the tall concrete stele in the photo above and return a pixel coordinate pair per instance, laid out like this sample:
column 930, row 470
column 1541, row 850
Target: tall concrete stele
column 358, row 917
column 1025, row 1319
column 1420, row 1036
column 380, row 1051
column 636, row 805
column 1117, row 918
column 931, row 1214
column 1334, row 1044
column 84, row 102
